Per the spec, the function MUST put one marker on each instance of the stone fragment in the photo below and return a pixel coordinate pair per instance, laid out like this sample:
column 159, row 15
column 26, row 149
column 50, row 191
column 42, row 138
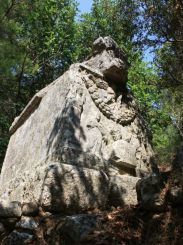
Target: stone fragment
column 9, row 223
column 27, row 223
column 77, row 227
column 110, row 60
column 104, row 43
column 68, row 188
column 123, row 155
column 30, row 209
column 10, row 209
column 18, row 238
column 122, row 190
column 176, row 194
column 151, row 193
column 2, row 229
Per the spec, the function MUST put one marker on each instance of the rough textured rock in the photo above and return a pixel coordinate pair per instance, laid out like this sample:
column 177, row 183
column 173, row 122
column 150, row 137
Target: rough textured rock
column 122, row 190
column 27, row 223
column 10, row 209
column 83, row 126
column 64, row 188
column 17, row 237
column 77, row 227
column 53, row 229
column 30, row 209
column 151, row 193
column 109, row 60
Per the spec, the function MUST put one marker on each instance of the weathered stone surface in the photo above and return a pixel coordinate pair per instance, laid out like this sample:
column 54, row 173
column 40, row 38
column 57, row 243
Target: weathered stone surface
column 10, row 209
column 102, row 44
column 54, row 229
column 86, row 120
column 77, row 227
column 73, row 189
column 64, row 188
column 1, row 228
column 124, row 154
column 151, row 193
column 9, row 223
column 27, row 223
column 18, row 238
column 109, row 59
column 30, row 209
column 123, row 190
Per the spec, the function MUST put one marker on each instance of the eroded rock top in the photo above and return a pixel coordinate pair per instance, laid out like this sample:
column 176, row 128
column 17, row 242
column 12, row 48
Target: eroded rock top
column 109, row 59
column 104, row 43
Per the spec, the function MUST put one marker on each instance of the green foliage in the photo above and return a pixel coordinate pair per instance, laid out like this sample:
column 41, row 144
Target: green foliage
column 171, row 72
column 47, row 35
column 143, row 81
column 145, row 84
column 166, row 141
column 123, row 21
column 37, row 43
column 115, row 18
column 165, row 33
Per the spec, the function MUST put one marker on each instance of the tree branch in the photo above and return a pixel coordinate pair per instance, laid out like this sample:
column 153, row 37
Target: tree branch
column 20, row 77
column 10, row 8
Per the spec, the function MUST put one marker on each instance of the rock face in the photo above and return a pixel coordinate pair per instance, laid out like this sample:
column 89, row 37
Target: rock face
column 151, row 193
column 75, row 135
column 122, row 190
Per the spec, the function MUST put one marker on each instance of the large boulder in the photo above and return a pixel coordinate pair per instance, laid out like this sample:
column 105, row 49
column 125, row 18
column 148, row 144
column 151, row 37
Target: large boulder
column 123, row 190
column 10, row 209
column 77, row 227
column 73, row 133
column 151, row 193
column 63, row 188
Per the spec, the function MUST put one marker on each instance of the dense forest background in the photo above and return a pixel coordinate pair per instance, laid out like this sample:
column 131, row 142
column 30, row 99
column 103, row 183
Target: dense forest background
column 39, row 40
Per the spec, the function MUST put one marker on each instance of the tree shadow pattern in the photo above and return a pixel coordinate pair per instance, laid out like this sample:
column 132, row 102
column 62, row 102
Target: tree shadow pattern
column 71, row 181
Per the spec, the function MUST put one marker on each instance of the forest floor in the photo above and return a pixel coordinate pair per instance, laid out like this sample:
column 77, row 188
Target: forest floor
column 131, row 226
